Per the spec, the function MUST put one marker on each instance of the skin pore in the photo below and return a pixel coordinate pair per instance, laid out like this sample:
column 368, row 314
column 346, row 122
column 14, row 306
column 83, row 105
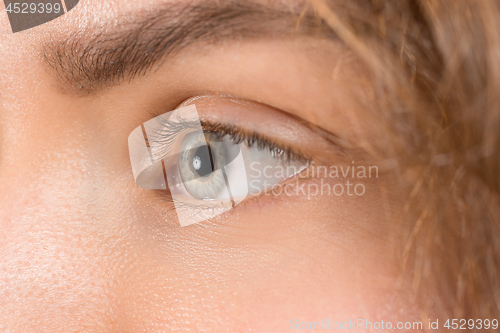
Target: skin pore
column 82, row 248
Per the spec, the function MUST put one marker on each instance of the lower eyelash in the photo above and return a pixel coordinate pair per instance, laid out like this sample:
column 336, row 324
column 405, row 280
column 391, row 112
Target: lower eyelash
column 170, row 206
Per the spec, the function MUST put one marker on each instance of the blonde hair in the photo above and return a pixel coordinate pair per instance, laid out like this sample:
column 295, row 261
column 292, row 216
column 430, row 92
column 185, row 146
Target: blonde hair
column 436, row 69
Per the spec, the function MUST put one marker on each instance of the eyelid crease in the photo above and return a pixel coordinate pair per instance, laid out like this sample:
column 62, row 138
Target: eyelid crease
column 341, row 145
column 332, row 143
column 170, row 131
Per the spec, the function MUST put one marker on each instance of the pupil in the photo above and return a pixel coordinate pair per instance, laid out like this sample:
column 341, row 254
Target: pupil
column 202, row 161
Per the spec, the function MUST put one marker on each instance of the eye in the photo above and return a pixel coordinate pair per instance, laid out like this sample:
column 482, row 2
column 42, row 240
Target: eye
column 209, row 167
column 201, row 156
column 208, row 164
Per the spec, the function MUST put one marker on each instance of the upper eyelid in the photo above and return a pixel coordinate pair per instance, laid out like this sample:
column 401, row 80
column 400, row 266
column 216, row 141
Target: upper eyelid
column 241, row 135
column 330, row 143
column 170, row 132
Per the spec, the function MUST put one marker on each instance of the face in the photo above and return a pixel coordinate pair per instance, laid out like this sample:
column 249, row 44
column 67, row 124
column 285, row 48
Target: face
column 83, row 248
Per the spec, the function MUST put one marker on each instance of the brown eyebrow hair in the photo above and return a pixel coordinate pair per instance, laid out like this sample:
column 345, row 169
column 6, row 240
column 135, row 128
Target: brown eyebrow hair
column 121, row 55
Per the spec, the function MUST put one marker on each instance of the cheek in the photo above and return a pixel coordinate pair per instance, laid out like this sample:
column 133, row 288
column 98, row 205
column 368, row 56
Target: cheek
column 265, row 263
column 61, row 254
column 51, row 272
column 270, row 261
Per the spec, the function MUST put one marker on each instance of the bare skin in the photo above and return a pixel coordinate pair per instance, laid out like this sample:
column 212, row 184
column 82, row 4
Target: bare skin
column 82, row 248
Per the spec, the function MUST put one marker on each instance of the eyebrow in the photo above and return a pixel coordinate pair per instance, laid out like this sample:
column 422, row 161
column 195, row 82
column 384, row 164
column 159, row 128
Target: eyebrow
column 144, row 42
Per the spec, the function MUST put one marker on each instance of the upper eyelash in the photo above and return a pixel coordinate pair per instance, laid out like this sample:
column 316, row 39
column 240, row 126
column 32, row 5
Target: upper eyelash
column 170, row 130
column 285, row 153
